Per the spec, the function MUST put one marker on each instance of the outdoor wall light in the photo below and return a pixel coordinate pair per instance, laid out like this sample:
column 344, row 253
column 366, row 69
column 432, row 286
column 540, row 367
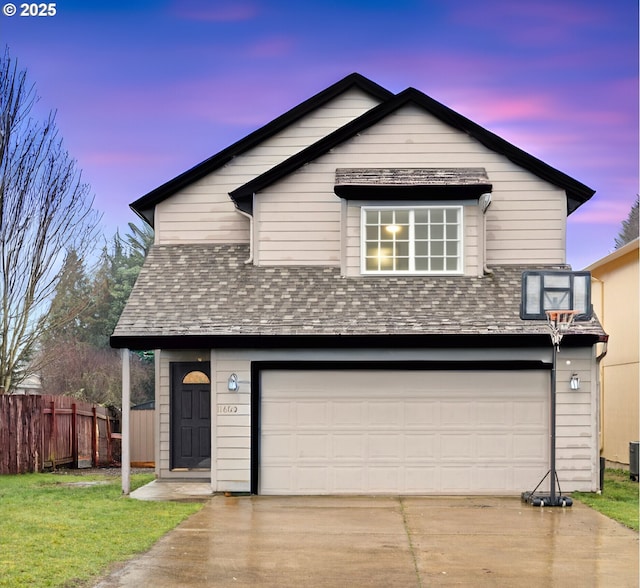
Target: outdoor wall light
column 232, row 383
column 574, row 382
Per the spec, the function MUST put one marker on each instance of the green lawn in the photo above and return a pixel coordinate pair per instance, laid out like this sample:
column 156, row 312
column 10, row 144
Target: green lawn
column 619, row 499
column 54, row 534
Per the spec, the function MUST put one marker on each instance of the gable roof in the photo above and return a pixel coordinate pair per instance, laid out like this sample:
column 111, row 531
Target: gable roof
column 144, row 206
column 242, row 304
column 577, row 193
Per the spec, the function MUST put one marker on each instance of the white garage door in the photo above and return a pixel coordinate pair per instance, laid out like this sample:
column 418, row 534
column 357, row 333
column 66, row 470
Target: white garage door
column 404, row 432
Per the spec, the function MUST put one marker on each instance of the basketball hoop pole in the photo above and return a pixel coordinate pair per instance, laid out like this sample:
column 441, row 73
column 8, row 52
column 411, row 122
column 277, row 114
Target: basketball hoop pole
column 559, row 322
column 552, row 424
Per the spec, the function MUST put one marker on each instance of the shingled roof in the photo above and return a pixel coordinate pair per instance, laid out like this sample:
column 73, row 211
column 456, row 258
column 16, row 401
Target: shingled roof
column 207, row 294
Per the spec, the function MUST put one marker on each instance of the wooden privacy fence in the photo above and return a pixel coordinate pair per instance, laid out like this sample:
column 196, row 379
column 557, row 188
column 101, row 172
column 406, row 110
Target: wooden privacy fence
column 38, row 432
column 142, row 437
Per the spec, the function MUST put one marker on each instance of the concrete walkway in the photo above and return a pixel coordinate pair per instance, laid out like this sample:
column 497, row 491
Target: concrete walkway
column 386, row 542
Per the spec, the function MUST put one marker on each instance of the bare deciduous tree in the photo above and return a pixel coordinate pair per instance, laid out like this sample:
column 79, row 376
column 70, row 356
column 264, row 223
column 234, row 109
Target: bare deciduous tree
column 45, row 210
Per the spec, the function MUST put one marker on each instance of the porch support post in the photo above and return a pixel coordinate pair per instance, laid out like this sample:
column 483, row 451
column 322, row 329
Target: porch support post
column 126, row 403
column 214, row 419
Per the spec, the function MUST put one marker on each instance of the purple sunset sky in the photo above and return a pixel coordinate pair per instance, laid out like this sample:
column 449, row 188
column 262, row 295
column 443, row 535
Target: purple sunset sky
column 145, row 89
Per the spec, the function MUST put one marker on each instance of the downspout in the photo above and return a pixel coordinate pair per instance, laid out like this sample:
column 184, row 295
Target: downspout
column 599, row 358
column 250, row 217
column 485, row 202
column 605, row 341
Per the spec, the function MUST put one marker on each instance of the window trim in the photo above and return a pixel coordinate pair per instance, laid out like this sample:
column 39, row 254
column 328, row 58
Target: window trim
column 411, row 272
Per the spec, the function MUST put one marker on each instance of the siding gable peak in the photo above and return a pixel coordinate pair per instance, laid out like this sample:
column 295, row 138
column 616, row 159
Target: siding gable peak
column 577, row 193
column 144, row 206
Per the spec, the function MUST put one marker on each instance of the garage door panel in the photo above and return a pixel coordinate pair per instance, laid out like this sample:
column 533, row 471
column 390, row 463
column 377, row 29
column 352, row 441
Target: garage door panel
column 529, row 446
column 493, row 446
column 455, row 414
column 530, row 413
column 277, row 413
column 384, row 446
column 441, row 432
column 311, row 446
column 349, row 447
column 276, row 479
column 455, row 479
column 494, row 413
column 348, row 413
column 383, row 479
column 490, row 479
column 312, row 414
column 277, row 446
column 422, row 480
column 421, row 413
column 453, row 446
column 347, row 480
column 420, row 446
column 387, row 414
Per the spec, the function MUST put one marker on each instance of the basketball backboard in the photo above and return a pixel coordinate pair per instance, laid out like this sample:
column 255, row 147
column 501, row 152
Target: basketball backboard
column 544, row 290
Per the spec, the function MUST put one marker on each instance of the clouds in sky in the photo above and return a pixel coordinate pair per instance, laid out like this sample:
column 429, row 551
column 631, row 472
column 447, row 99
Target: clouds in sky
column 146, row 89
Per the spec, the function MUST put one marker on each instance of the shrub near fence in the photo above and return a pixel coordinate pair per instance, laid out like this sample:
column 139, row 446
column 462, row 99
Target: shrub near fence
column 38, row 432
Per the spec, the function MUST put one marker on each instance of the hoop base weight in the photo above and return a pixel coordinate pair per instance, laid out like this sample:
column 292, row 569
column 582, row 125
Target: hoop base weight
column 550, row 499
column 542, row 500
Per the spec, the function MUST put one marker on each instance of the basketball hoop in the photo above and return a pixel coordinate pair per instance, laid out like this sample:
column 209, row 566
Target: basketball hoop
column 559, row 322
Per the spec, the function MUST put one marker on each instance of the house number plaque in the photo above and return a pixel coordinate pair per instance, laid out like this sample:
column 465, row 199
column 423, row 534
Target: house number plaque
column 227, row 409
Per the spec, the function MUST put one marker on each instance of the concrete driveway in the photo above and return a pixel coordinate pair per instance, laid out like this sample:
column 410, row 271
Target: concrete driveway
column 387, row 542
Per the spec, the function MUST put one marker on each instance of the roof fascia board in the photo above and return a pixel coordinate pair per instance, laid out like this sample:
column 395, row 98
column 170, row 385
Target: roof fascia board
column 144, row 342
column 577, row 192
column 144, row 206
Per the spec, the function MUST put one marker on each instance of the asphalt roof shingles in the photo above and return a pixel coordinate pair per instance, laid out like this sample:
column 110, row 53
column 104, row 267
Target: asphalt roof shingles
column 210, row 290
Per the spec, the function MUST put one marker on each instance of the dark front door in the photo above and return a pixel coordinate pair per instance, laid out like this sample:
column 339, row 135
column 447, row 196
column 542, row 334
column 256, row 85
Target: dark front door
column 190, row 415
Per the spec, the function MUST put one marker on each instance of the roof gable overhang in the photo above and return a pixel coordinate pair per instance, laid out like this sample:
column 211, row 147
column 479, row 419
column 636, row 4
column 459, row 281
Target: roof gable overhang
column 577, row 193
column 144, row 206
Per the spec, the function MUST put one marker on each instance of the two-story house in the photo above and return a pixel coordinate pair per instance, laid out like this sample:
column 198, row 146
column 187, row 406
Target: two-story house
column 334, row 302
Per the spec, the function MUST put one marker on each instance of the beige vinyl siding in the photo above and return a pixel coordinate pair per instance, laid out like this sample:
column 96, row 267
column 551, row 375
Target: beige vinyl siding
column 296, row 230
column 203, row 211
column 577, row 439
column 231, row 446
column 413, row 138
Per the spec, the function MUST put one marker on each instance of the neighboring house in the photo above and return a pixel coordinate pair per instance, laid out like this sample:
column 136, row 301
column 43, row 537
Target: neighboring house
column 615, row 297
column 31, row 384
column 334, row 301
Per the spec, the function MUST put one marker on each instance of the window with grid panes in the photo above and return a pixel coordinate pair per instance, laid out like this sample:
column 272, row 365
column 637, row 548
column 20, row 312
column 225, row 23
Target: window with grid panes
column 425, row 240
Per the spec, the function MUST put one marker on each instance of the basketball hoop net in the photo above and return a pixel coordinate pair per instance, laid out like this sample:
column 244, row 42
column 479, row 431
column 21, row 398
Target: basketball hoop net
column 559, row 322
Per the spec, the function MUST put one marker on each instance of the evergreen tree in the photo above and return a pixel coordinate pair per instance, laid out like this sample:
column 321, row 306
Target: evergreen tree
column 66, row 317
column 80, row 361
column 629, row 230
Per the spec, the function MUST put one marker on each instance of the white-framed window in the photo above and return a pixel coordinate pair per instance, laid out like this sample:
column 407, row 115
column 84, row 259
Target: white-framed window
column 421, row 239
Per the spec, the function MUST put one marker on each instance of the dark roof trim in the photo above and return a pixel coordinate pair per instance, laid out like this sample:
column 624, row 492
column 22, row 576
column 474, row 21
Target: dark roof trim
column 145, row 205
column 436, row 365
column 344, row 341
column 412, row 192
column 411, row 183
column 577, row 193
